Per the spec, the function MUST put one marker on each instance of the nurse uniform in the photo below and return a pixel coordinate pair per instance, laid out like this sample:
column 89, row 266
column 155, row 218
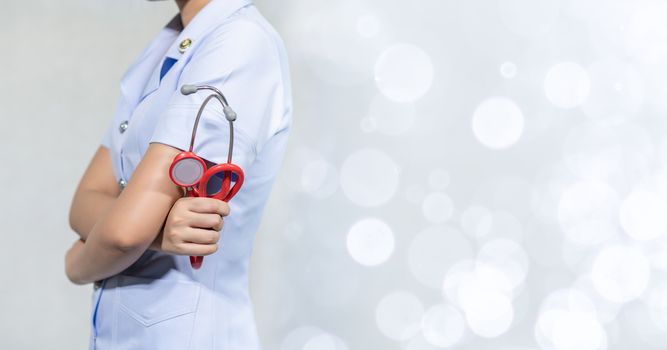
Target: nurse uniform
column 160, row 302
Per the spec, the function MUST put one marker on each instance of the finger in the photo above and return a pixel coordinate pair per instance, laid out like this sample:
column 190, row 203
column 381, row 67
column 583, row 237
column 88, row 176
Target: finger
column 194, row 249
column 200, row 236
column 208, row 221
column 209, row 205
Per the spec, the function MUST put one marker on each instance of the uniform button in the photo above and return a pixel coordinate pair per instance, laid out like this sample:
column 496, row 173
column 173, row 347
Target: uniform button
column 185, row 44
column 122, row 183
column 123, row 126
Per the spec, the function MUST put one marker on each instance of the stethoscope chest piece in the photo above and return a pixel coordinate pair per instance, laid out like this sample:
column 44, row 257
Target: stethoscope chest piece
column 187, row 169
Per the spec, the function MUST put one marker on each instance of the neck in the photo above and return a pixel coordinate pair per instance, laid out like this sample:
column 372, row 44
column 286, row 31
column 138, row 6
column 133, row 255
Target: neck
column 189, row 8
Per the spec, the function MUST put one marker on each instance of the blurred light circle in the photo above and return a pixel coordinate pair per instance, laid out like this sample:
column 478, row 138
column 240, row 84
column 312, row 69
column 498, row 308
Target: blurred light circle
column 508, row 256
column 439, row 179
column 656, row 301
column 618, row 153
column 437, row 207
column 368, row 26
column 606, row 311
column 484, row 294
column 319, row 178
column 656, row 252
column 529, row 18
column 443, row 326
column 477, row 221
column 620, row 273
column 297, row 338
column 370, row 242
column 419, row 343
column 398, row 315
column 313, row 174
column 454, row 277
column 390, row 117
column 565, row 330
column 617, row 88
column 489, row 313
column 642, row 215
column 435, row 250
column 508, row 70
column 586, row 212
column 325, row 341
column 567, row 85
column 497, row 123
column 569, row 299
column 562, row 309
column 483, row 277
column 646, row 33
column 369, row 178
column 404, row 72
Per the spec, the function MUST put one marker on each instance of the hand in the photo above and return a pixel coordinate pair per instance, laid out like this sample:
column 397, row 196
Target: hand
column 193, row 226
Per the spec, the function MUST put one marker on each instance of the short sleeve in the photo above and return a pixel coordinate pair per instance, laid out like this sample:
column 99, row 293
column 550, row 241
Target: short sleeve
column 106, row 137
column 241, row 60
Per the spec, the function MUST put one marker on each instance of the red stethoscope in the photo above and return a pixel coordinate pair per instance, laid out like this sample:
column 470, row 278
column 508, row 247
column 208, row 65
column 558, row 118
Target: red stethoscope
column 190, row 171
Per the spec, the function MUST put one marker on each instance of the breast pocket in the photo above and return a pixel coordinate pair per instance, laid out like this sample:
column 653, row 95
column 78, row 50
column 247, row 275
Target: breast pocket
column 155, row 313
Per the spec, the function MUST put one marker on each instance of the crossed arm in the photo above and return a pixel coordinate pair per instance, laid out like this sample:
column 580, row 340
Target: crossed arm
column 115, row 227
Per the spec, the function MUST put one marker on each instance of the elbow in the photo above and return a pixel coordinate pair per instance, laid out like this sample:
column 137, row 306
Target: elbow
column 73, row 275
column 124, row 243
column 119, row 237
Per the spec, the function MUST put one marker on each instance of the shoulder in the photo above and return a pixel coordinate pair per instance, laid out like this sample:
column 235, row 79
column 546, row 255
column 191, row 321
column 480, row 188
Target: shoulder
column 246, row 36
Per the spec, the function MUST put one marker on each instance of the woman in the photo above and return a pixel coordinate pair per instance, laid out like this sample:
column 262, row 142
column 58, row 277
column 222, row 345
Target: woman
column 136, row 229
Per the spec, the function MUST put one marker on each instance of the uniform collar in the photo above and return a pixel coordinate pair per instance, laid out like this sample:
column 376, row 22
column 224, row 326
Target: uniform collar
column 209, row 17
column 205, row 21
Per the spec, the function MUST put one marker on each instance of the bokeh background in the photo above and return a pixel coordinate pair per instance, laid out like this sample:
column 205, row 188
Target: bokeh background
column 479, row 174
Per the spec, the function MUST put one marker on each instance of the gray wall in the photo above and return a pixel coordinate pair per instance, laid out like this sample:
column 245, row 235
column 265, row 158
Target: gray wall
column 482, row 174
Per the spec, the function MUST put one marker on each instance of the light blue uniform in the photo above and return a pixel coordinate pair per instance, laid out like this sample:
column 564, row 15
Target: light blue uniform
column 160, row 302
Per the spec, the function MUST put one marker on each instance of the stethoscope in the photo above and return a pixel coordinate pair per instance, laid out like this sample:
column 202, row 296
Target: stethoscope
column 190, row 171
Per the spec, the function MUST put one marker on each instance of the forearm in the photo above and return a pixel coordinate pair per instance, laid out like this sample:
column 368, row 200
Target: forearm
column 92, row 260
column 87, row 209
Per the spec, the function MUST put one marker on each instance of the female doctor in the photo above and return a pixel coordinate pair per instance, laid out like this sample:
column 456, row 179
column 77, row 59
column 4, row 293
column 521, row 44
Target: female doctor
column 137, row 230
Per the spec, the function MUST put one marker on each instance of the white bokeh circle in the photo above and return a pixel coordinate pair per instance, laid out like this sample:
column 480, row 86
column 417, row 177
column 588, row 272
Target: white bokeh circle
column 325, row 341
column 489, row 313
column 620, row 273
column 370, row 242
column 498, row 123
column 642, row 215
column 404, row 72
column 567, row 85
column 398, row 315
column 587, row 211
column 508, row 256
column 508, row 70
column 443, row 326
column 477, row 221
column 568, row 320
